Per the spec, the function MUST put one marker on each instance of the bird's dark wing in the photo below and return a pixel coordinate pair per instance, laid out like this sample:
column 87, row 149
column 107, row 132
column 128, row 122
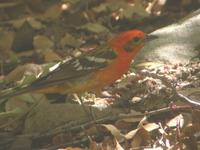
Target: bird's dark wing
column 81, row 66
column 68, row 71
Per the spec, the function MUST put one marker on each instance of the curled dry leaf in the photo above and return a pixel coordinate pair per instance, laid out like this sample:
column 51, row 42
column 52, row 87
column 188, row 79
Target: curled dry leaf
column 176, row 121
column 118, row 146
column 114, row 131
column 148, row 128
column 22, row 73
column 151, row 126
column 138, row 136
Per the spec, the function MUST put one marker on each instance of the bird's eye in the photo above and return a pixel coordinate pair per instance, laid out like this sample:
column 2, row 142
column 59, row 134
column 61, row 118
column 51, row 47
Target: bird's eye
column 136, row 39
column 130, row 45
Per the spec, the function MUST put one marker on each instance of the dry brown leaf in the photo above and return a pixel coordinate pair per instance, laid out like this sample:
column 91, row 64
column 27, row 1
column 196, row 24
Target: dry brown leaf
column 176, row 121
column 151, row 126
column 35, row 24
column 18, row 23
column 143, row 121
column 95, row 146
column 140, row 139
column 6, row 40
column 53, row 12
column 42, row 42
column 51, row 56
column 123, row 124
column 127, row 123
column 26, row 70
column 108, row 144
column 69, row 40
column 114, row 131
column 118, row 146
column 148, row 127
column 131, row 134
column 44, row 45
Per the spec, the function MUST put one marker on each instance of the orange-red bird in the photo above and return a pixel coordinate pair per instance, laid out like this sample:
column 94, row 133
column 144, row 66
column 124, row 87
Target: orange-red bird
column 91, row 71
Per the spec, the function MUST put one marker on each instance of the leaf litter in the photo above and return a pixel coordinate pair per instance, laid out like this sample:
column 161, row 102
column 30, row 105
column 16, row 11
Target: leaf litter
column 152, row 107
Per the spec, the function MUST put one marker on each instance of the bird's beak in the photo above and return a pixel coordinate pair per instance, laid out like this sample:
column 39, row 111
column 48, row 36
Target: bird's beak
column 150, row 37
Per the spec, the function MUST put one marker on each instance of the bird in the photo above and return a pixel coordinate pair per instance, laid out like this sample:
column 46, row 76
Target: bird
column 91, row 71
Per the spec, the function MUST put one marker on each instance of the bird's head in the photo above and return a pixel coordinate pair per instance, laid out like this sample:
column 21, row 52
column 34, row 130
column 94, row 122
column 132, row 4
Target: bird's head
column 129, row 42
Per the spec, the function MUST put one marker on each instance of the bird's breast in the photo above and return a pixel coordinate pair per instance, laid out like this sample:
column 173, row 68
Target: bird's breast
column 113, row 72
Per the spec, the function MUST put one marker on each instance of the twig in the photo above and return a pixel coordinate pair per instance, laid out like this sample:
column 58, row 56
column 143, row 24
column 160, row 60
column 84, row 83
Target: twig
column 191, row 101
column 169, row 109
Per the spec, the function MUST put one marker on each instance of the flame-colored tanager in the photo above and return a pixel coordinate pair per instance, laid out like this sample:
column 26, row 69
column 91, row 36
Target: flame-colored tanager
column 91, row 71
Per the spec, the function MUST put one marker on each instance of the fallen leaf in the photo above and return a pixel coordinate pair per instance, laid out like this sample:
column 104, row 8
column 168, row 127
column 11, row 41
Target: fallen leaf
column 118, row 146
column 33, row 22
column 131, row 134
column 6, row 40
column 151, row 126
column 51, row 56
column 176, row 121
column 94, row 27
column 24, row 74
column 42, row 42
column 53, row 12
column 69, row 40
column 138, row 136
column 114, row 131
